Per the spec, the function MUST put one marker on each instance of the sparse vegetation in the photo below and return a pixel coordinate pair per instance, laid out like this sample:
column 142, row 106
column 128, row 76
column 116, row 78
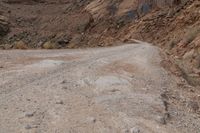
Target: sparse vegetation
column 20, row 45
column 49, row 45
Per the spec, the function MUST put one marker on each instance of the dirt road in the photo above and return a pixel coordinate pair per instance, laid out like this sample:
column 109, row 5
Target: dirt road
column 106, row 90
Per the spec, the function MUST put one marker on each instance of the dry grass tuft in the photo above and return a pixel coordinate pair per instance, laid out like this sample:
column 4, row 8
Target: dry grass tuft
column 20, row 45
column 49, row 45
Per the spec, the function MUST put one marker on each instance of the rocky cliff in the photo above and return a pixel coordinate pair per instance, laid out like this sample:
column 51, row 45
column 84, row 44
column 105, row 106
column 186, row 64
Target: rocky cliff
column 74, row 23
column 4, row 28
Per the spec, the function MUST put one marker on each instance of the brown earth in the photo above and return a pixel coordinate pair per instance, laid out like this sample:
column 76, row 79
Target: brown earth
column 76, row 23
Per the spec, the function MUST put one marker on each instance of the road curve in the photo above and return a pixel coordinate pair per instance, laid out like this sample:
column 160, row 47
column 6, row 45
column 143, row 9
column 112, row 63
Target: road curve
column 105, row 90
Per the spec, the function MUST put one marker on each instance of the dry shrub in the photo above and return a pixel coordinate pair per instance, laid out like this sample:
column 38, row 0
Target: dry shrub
column 20, row 45
column 49, row 45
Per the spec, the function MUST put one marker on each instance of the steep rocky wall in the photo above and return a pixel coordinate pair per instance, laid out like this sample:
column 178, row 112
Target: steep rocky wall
column 101, row 8
column 177, row 31
column 82, row 23
column 4, row 28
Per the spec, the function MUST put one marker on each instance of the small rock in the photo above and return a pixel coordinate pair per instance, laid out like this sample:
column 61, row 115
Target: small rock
column 91, row 119
column 76, row 41
column 125, row 131
column 134, row 130
column 63, row 41
column 193, row 106
column 30, row 114
column 65, row 87
column 63, row 82
column 191, row 90
column 1, row 66
column 28, row 99
column 161, row 120
column 28, row 127
column 59, row 102
column 167, row 115
column 114, row 90
column 133, row 76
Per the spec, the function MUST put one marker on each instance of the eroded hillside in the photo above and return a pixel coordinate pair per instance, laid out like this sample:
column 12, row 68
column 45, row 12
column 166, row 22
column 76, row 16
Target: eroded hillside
column 69, row 23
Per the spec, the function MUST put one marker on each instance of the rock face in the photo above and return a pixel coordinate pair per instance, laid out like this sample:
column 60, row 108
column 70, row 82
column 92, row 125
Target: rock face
column 84, row 24
column 21, row 1
column 3, row 26
column 39, row 21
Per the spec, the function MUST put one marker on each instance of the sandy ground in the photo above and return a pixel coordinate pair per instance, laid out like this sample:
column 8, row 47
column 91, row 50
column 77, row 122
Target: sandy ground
column 106, row 90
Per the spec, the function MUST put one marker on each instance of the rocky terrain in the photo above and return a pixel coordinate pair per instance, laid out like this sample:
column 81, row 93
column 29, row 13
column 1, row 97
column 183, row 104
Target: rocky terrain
column 177, row 32
column 4, row 28
column 172, row 25
column 121, row 89
column 84, row 23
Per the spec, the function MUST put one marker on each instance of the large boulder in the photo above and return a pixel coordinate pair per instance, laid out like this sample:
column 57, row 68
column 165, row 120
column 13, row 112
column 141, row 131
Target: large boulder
column 191, row 63
column 4, row 28
column 84, row 23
